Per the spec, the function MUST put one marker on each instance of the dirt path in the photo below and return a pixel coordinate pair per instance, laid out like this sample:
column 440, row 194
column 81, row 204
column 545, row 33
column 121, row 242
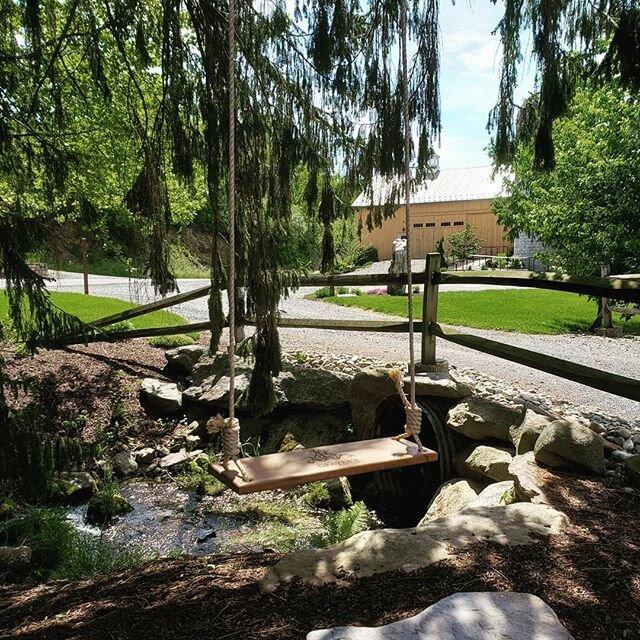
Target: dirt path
column 621, row 356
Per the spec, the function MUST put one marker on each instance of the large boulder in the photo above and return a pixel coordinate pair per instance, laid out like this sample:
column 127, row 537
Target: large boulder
column 528, row 479
column 182, row 359
column 525, row 435
column 297, row 386
column 370, row 387
column 15, row 560
column 382, row 550
column 163, row 398
column 493, row 495
column 309, row 388
column 74, row 486
column 570, row 444
column 484, row 463
column 481, row 419
column 632, row 470
column 466, row 616
column 124, row 464
column 451, row 497
column 104, row 506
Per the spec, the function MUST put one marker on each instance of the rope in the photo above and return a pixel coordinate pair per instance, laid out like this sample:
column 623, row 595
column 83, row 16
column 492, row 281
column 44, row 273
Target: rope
column 407, row 195
column 413, row 420
column 229, row 430
column 231, row 284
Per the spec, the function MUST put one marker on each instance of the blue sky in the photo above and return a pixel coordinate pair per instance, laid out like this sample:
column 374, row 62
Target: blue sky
column 470, row 66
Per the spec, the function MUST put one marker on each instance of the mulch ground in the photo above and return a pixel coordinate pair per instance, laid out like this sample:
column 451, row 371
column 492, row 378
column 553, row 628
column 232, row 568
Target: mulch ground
column 590, row 575
column 101, row 379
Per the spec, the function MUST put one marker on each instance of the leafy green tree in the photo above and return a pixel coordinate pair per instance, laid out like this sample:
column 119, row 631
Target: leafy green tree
column 587, row 210
column 465, row 243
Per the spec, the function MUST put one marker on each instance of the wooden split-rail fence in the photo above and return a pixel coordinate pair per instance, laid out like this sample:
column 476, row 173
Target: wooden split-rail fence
column 610, row 288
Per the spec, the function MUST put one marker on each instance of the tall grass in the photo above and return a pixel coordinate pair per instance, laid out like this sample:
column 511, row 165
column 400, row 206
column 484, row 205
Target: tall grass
column 60, row 550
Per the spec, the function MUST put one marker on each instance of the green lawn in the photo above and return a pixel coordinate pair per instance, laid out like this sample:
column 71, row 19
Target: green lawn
column 523, row 311
column 89, row 308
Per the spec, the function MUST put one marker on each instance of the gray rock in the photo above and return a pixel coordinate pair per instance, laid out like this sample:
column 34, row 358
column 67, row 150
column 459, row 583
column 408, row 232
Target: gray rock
column 15, row 559
column 162, row 397
column 570, row 444
column 480, row 419
column 525, row 435
column 370, row 387
column 622, row 433
column 214, row 392
column 381, row 550
column 311, row 388
column 339, row 493
column 632, row 471
column 451, row 497
column 483, row 462
column 628, row 445
column 183, row 359
column 79, row 485
column 179, row 457
column 124, row 464
column 494, row 495
column 183, row 431
column 596, row 427
column 620, row 456
column 145, row 455
column 524, row 471
column 466, row 616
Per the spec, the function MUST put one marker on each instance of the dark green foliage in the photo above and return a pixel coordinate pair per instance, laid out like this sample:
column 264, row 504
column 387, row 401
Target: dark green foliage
column 30, row 459
column 60, row 551
column 567, row 39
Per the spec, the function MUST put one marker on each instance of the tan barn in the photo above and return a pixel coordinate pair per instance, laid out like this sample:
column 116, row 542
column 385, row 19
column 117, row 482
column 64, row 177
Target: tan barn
column 440, row 207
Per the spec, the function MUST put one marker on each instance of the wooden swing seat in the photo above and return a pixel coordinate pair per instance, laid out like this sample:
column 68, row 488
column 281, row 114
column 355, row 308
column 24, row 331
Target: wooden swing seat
column 300, row 466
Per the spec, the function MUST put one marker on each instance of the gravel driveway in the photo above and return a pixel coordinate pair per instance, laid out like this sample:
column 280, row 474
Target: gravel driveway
column 621, row 356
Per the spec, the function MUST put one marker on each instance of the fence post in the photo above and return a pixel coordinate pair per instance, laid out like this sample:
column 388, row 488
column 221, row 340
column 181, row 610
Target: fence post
column 430, row 309
column 84, row 245
column 607, row 323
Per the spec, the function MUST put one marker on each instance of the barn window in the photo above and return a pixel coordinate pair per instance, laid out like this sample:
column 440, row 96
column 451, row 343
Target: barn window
column 429, row 224
column 458, row 223
column 417, row 225
column 445, row 224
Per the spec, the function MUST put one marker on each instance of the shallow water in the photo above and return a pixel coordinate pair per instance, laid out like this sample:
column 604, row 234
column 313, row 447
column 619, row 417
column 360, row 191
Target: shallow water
column 166, row 519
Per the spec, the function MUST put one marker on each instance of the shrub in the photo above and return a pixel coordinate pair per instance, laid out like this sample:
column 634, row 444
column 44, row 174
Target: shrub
column 325, row 292
column 365, row 255
column 342, row 290
column 356, row 291
column 171, row 342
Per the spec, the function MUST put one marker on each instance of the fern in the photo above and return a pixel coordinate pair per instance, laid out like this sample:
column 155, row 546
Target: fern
column 344, row 524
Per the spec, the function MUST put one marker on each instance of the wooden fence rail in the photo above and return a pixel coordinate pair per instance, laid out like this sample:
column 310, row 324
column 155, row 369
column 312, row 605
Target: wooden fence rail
column 614, row 288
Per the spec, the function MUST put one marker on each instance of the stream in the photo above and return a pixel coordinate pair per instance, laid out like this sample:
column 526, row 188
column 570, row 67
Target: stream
column 167, row 519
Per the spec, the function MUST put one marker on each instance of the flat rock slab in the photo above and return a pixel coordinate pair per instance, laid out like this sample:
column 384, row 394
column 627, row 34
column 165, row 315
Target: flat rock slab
column 372, row 552
column 466, row 616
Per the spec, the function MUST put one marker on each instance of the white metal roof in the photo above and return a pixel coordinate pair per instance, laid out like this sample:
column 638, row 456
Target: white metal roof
column 470, row 183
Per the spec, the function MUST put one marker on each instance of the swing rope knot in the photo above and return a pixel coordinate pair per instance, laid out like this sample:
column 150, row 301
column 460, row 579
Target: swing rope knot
column 413, row 420
column 229, row 430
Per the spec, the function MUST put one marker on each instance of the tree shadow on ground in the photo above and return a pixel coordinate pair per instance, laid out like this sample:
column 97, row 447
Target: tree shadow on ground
column 589, row 575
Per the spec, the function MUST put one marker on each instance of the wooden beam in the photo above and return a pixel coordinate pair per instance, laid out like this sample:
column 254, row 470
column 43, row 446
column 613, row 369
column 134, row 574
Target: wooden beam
column 609, row 382
column 614, row 288
column 378, row 326
column 430, row 307
column 151, row 306
column 356, row 279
